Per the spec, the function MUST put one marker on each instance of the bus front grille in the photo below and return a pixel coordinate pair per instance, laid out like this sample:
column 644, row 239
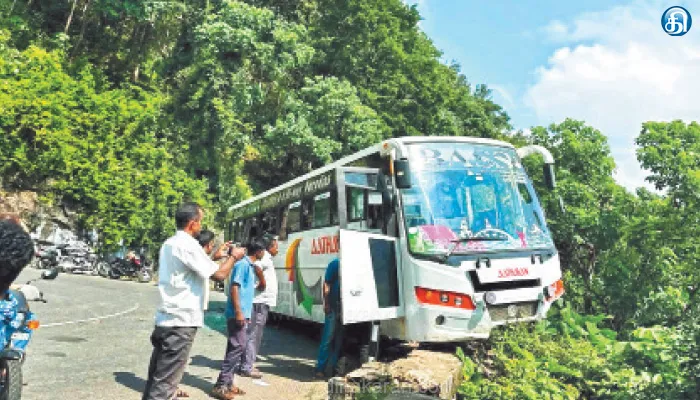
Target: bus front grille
column 504, row 312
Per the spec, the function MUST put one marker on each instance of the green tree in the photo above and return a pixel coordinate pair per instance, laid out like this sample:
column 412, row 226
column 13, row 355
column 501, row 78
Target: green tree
column 97, row 152
column 320, row 123
column 125, row 39
column 378, row 47
column 243, row 62
column 587, row 230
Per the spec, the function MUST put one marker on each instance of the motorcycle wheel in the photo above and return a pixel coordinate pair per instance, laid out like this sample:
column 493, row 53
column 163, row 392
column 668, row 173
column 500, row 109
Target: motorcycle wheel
column 103, row 269
column 11, row 374
column 114, row 274
column 144, row 277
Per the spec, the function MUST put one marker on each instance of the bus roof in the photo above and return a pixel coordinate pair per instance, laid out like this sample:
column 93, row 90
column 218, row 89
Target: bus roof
column 457, row 139
column 372, row 149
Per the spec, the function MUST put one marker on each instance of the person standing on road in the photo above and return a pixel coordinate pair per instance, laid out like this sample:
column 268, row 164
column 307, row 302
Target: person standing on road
column 183, row 283
column 239, row 309
column 265, row 297
column 332, row 336
column 206, row 240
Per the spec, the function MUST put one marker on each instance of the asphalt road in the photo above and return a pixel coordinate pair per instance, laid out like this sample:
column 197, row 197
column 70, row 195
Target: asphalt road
column 93, row 344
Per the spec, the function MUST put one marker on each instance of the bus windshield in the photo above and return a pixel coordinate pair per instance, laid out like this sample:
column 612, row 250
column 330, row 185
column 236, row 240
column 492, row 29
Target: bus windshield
column 473, row 198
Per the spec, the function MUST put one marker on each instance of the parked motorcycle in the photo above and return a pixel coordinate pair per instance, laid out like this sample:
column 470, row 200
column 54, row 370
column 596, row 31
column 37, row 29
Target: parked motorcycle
column 47, row 258
column 78, row 258
column 115, row 267
column 104, row 264
column 21, row 328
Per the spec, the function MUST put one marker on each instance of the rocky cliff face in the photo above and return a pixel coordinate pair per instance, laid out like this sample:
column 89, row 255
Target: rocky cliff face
column 50, row 225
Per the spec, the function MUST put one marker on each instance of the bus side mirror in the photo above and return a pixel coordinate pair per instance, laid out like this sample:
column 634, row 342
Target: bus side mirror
column 549, row 176
column 402, row 174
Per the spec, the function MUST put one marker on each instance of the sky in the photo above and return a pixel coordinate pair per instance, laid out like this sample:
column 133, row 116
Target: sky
column 607, row 63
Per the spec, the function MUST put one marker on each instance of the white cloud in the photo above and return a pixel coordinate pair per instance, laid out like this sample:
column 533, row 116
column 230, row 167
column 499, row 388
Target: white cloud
column 617, row 70
column 556, row 28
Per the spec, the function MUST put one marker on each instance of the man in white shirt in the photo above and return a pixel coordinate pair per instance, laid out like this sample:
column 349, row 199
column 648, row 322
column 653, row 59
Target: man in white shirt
column 183, row 283
column 265, row 297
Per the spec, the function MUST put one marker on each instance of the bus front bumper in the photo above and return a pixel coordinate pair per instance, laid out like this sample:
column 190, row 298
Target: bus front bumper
column 442, row 324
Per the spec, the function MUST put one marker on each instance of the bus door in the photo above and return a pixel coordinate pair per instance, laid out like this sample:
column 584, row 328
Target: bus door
column 369, row 258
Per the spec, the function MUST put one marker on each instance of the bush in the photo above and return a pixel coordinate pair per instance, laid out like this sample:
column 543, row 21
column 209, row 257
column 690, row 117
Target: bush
column 573, row 356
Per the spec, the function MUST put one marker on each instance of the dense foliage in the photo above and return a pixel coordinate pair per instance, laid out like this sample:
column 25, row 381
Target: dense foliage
column 629, row 325
column 120, row 109
column 570, row 356
column 96, row 151
column 242, row 94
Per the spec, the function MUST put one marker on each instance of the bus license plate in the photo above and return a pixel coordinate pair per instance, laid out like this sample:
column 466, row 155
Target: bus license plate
column 487, row 275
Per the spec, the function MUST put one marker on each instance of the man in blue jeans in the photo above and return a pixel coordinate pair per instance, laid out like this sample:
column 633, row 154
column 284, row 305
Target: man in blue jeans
column 238, row 312
column 332, row 337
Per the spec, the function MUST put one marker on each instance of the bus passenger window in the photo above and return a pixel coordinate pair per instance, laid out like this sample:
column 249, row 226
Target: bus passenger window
column 245, row 229
column 283, row 213
column 321, row 210
column 335, row 218
column 356, row 204
column 375, row 220
column 254, row 228
column 270, row 222
column 294, row 217
column 237, row 231
column 306, row 214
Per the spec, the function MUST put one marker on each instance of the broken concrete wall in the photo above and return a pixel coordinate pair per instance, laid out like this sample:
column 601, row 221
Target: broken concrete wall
column 421, row 374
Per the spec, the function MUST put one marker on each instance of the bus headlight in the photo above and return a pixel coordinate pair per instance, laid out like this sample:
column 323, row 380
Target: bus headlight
column 554, row 291
column 444, row 298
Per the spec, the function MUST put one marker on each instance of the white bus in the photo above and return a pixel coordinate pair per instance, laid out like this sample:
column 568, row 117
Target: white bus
column 439, row 239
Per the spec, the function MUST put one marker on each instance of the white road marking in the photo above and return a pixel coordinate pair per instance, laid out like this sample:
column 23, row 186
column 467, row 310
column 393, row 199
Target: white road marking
column 132, row 309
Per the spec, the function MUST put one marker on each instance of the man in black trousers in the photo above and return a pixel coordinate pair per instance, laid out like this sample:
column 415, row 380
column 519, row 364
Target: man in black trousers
column 183, row 282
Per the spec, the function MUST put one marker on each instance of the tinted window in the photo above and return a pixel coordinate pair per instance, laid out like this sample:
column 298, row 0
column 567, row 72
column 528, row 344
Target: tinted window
column 321, row 210
column 356, row 203
column 361, row 179
column 270, row 222
column 334, row 209
column 294, row 217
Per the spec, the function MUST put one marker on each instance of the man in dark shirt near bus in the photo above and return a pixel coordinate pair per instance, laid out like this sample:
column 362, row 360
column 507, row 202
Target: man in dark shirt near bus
column 332, row 337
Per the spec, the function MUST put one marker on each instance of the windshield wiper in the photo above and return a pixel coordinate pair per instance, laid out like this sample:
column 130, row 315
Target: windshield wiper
column 457, row 242
column 478, row 239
